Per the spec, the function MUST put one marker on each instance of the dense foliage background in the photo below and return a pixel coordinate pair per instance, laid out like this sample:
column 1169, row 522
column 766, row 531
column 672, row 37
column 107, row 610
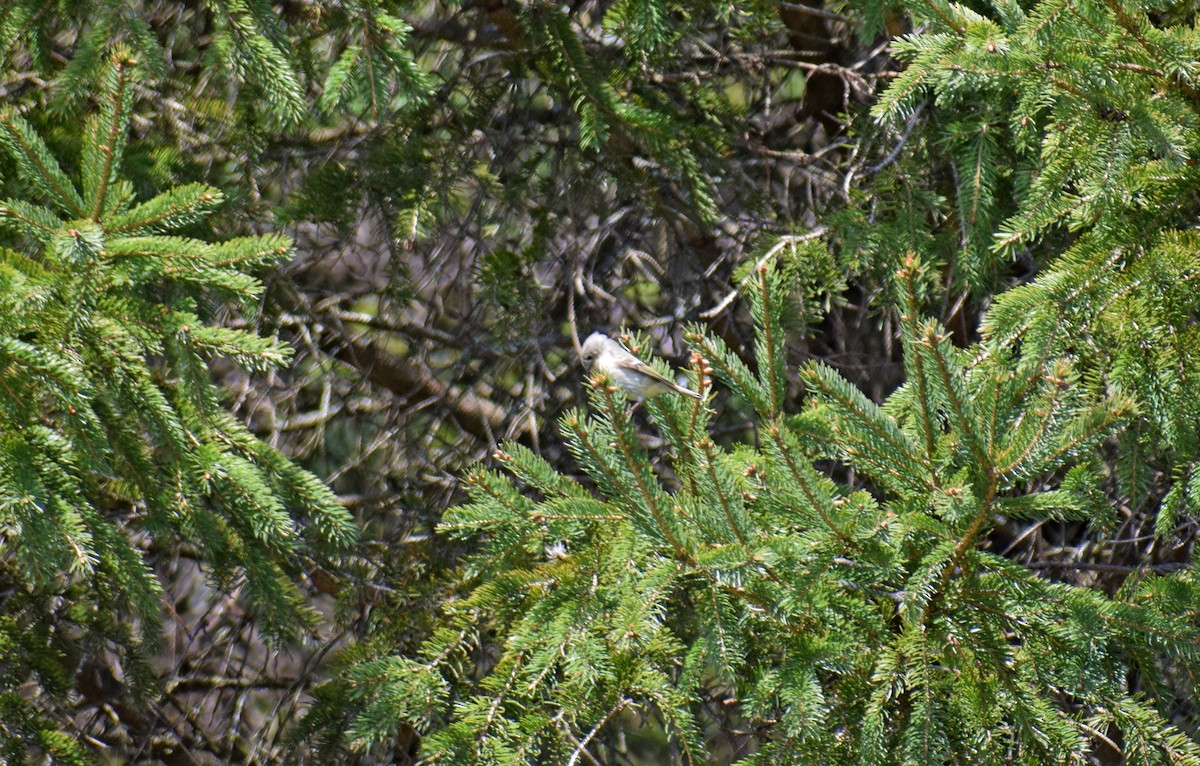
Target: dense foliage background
column 297, row 461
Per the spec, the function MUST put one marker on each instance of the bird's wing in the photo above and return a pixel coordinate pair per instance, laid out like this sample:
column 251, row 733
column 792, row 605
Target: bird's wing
column 637, row 365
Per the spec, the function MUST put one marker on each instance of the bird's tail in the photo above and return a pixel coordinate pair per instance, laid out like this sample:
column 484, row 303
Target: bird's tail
column 687, row 391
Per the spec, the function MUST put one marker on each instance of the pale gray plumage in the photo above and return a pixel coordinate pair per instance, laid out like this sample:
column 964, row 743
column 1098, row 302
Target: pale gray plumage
column 639, row 380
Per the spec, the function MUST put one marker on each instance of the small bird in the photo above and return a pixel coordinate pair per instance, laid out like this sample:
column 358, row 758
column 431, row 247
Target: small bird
column 639, row 380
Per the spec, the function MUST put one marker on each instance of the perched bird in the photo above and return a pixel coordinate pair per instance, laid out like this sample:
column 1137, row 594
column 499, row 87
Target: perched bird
column 601, row 353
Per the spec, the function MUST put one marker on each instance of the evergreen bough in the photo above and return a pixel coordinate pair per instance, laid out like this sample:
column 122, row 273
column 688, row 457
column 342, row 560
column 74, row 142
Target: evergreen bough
column 828, row 590
column 843, row 625
column 114, row 444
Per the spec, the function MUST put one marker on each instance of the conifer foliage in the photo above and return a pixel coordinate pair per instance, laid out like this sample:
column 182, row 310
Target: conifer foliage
column 831, row 591
column 742, row 587
column 113, row 440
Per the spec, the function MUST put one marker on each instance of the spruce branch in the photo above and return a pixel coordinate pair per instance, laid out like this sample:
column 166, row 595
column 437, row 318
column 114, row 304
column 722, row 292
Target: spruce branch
column 967, row 542
column 945, row 14
column 907, row 277
column 612, row 398
column 817, row 501
column 581, row 745
column 116, row 115
column 39, row 166
column 709, row 463
column 110, row 410
column 864, row 425
column 773, row 369
column 1134, row 28
column 932, row 342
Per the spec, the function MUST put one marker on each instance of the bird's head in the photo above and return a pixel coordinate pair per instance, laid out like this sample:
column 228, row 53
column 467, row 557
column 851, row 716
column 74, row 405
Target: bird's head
column 591, row 349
